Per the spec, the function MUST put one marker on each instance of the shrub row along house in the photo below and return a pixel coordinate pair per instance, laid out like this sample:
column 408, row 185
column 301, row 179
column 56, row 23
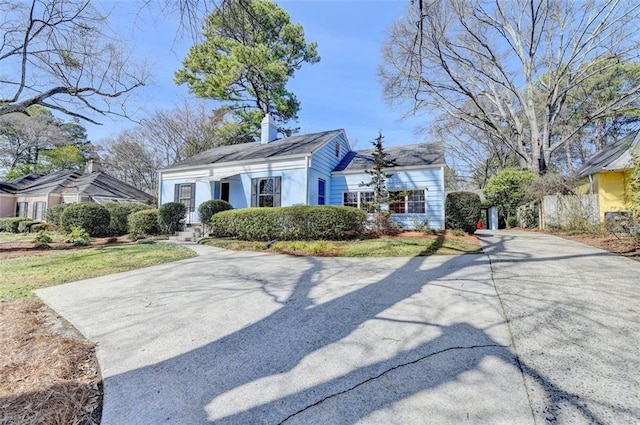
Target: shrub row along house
column 30, row 196
column 310, row 169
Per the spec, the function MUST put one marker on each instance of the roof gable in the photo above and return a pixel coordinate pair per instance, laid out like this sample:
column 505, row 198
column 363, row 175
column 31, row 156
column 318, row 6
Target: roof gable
column 304, row 144
column 616, row 156
column 423, row 154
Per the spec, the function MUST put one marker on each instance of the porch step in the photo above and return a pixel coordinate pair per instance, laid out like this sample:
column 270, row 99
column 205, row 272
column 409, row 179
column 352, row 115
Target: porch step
column 191, row 234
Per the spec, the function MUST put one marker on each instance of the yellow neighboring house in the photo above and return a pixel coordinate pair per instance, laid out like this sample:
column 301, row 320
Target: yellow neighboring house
column 608, row 173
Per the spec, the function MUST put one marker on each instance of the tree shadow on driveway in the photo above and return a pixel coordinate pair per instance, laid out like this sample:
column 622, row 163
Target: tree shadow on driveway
column 423, row 339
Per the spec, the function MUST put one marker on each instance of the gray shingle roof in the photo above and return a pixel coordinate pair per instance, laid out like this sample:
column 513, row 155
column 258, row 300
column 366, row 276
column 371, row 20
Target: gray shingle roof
column 102, row 184
column 403, row 156
column 295, row 145
column 66, row 181
column 616, row 156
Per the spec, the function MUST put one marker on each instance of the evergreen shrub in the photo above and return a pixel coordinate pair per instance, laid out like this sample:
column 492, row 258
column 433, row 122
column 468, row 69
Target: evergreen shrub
column 144, row 222
column 207, row 209
column 119, row 212
column 462, row 211
column 171, row 217
column 25, row 226
column 53, row 215
column 92, row 217
column 300, row 222
column 11, row 224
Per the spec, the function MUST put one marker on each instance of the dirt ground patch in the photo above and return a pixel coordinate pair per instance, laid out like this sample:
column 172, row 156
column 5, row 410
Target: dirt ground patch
column 24, row 249
column 49, row 371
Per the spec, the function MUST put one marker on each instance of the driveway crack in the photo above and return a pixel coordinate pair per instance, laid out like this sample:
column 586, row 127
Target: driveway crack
column 381, row 374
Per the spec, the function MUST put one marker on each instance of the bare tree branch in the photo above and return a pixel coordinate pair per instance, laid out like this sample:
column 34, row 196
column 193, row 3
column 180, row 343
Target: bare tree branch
column 508, row 68
column 55, row 53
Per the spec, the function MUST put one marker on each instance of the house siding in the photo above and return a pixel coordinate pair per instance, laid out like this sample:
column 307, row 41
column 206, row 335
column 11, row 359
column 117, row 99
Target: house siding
column 8, row 205
column 291, row 172
column 431, row 179
column 611, row 189
column 202, row 193
column 323, row 162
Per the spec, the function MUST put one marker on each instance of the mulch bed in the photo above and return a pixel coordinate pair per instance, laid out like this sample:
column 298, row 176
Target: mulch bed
column 50, row 374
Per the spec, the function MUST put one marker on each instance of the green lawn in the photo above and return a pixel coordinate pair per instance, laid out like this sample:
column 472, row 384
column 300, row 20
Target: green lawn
column 444, row 244
column 19, row 276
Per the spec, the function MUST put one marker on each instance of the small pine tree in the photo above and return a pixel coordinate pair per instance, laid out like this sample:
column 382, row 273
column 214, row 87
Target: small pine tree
column 379, row 178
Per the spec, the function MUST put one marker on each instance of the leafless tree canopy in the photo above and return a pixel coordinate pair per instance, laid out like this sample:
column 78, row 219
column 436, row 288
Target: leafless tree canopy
column 56, row 53
column 506, row 68
column 162, row 139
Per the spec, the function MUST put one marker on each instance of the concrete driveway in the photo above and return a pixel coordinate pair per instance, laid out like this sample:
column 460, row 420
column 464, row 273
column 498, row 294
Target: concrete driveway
column 247, row 338
column 574, row 312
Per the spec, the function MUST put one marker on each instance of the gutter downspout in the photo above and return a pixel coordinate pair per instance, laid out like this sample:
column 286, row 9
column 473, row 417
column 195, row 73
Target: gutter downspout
column 159, row 188
column 590, row 184
column 307, row 162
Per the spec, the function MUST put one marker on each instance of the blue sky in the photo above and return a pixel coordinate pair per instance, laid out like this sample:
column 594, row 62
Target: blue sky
column 341, row 91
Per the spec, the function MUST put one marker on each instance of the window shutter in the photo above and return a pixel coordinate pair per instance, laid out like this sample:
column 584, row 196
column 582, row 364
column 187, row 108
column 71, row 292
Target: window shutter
column 254, row 192
column 192, row 201
column 276, row 191
column 176, row 193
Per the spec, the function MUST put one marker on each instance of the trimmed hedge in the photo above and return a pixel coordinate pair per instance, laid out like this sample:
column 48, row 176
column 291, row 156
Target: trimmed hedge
column 25, row 226
column 119, row 212
column 11, row 224
column 208, row 209
column 462, row 211
column 41, row 227
column 53, row 215
column 143, row 222
column 171, row 217
column 92, row 217
column 290, row 223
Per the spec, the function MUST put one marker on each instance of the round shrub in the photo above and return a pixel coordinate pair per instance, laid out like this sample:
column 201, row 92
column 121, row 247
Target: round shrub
column 92, row 217
column 53, row 215
column 171, row 217
column 144, row 222
column 290, row 223
column 462, row 211
column 119, row 212
column 77, row 236
column 207, row 209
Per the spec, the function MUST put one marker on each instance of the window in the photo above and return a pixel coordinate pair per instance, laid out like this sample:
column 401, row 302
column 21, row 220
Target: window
column 265, row 192
column 22, row 209
column 361, row 200
column 38, row 210
column 337, row 146
column 350, row 199
column 224, row 191
column 366, row 201
column 321, row 191
column 408, row 202
column 185, row 193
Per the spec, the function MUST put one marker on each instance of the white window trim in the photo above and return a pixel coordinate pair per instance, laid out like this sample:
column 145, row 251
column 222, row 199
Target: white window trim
column 359, row 196
column 424, row 190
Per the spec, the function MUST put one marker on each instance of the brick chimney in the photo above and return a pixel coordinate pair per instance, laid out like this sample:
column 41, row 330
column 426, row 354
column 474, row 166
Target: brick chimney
column 269, row 130
column 92, row 166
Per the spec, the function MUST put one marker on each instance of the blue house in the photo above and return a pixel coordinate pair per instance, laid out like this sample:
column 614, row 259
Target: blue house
column 309, row 169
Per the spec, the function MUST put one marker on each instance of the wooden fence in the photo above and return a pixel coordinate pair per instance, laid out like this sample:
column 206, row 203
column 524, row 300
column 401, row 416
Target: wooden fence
column 569, row 211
